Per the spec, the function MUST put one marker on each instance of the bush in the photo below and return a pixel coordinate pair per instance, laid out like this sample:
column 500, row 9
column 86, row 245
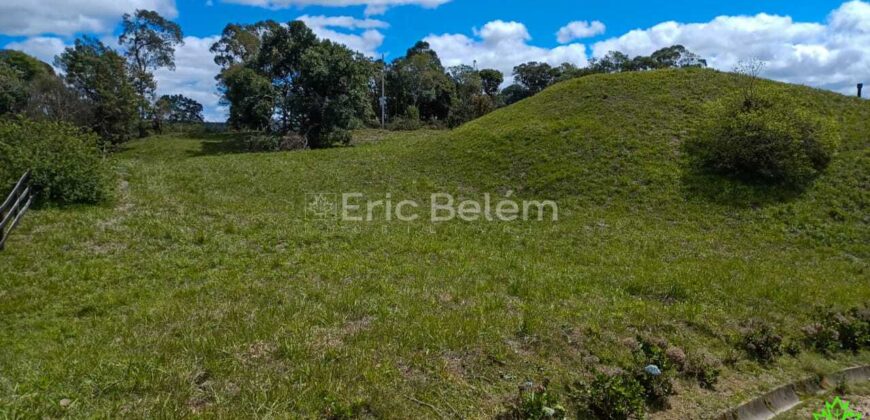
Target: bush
column 840, row 331
column 66, row 163
column 767, row 138
column 615, row 397
column 762, row 343
column 534, row 402
column 657, row 387
column 704, row 368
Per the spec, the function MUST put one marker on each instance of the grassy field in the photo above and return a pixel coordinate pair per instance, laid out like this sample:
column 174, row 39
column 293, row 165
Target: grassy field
column 203, row 288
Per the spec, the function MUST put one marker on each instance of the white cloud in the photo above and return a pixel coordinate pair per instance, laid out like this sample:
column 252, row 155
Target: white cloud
column 66, row 17
column 366, row 42
column 832, row 55
column 373, row 7
column 579, row 30
column 194, row 76
column 501, row 45
column 41, row 47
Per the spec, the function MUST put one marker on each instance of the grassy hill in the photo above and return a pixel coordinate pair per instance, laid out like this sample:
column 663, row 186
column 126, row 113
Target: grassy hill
column 204, row 289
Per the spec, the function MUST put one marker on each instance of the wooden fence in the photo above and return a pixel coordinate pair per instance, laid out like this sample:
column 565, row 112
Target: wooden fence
column 14, row 207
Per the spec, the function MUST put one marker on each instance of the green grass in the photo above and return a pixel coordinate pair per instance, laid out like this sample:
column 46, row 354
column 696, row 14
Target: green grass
column 202, row 289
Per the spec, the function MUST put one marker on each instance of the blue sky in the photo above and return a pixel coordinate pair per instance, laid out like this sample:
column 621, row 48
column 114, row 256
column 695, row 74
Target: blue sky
column 820, row 43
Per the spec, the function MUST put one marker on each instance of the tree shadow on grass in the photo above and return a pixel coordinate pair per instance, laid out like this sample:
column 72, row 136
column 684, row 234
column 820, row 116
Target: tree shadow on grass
column 705, row 187
column 217, row 144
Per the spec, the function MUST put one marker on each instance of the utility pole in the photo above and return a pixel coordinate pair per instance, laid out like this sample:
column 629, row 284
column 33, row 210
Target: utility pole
column 383, row 98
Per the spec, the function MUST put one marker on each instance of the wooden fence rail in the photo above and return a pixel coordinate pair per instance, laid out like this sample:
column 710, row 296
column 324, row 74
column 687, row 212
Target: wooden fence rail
column 14, row 207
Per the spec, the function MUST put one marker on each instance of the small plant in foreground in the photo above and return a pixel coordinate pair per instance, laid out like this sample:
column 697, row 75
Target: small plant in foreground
column 534, row 402
column 762, row 343
column 616, row 396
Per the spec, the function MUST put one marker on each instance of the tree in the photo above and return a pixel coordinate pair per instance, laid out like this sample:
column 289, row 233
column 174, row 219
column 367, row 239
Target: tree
column 514, row 93
column 149, row 41
column 13, row 90
column 333, row 93
column 178, row 109
column 677, row 56
column 492, row 80
column 280, row 60
column 98, row 75
column 471, row 100
column 18, row 72
column 240, row 44
column 250, row 96
column 419, row 80
column 535, row 76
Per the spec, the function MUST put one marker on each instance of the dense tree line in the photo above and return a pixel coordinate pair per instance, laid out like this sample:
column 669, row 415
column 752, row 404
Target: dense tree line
column 531, row 78
column 109, row 92
column 282, row 78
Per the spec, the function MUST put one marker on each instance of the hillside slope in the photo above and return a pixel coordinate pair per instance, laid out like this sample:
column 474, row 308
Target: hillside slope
column 205, row 290
column 614, row 134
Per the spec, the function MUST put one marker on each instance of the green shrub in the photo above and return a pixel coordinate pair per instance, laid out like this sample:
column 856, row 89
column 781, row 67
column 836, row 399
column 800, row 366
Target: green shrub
column 659, row 387
column 704, row 368
column 840, row 331
column 534, row 402
column 612, row 397
column 762, row 343
column 769, row 139
column 66, row 163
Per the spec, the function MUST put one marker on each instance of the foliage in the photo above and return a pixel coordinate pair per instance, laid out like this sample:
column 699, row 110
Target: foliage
column 98, row 75
column 704, row 368
column 19, row 72
column 492, row 80
column 66, row 163
column 317, row 88
column 616, row 396
column 840, row 331
column 761, row 342
column 471, row 99
column 657, row 387
column 771, row 139
column 334, row 94
column 534, row 402
column 535, row 76
column 418, row 79
column 149, row 42
column 250, row 96
column 178, row 109
column 13, row 90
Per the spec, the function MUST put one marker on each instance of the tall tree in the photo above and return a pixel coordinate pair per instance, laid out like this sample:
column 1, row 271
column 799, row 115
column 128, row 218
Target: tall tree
column 149, row 42
column 240, row 44
column 492, row 80
column 179, row 109
column 534, row 76
column 418, row 80
column 98, row 75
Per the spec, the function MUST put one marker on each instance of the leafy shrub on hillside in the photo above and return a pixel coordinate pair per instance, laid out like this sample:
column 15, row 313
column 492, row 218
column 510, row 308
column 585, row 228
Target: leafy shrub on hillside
column 66, row 163
column 848, row 331
column 617, row 396
column 761, row 342
column 765, row 138
column 534, row 402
